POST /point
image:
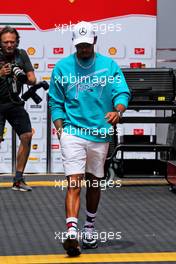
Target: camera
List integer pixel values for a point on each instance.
(18, 73)
(31, 93)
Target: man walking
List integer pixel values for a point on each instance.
(88, 94)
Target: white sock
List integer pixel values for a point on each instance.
(72, 228)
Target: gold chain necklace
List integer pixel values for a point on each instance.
(85, 67)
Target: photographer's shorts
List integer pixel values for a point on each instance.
(80, 155)
(17, 116)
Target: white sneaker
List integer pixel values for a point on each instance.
(88, 238)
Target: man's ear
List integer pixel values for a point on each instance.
(95, 40)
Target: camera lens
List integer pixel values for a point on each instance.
(19, 74)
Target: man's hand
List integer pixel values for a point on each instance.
(31, 78)
(112, 118)
(5, 70)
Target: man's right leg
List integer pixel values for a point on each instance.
(72, 202)
(73, 151)
(72, 205)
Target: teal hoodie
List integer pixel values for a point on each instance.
(82, 97)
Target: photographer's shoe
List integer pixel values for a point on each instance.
(71, 245)
(88, 238)
(21, 186)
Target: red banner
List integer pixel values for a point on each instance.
(47, 14)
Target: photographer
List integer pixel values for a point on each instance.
(15, 70)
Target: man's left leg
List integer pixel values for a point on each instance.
(93, 193)
(22, 157)
(20, 121)
(96, 157)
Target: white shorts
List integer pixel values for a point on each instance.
(80, 155)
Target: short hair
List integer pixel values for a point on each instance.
(11, 30)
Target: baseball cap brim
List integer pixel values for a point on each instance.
(83, 40)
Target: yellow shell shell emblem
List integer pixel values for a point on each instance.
(112, 51)
(31, 51)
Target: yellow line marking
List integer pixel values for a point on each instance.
(32, 183)
(58, 183)
(146, 181)
(91, 258)
(63, 183)
(59, 174)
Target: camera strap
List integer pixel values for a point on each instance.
(14, 98)
(18, 60)
(14, 86)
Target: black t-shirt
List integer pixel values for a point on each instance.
(22, 60)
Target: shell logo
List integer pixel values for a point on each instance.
(34, 146)
(112, 51)
(36, 66)
(31, 51)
